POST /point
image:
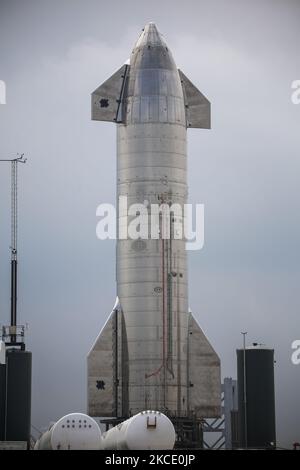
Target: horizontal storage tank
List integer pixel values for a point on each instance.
(75, 431)
(257, 421)
(146, 430)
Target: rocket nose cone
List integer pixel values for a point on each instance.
(150, 36)
(151, 26)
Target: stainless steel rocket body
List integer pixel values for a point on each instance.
(151, 352)
(152, 274)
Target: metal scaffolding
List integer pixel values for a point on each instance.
(220, 433)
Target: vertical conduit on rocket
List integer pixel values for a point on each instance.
(170, 299)
(178, 340)
(162, 366)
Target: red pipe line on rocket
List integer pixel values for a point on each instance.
(163, 310)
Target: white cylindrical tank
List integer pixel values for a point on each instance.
(146, 430)
(75, 431)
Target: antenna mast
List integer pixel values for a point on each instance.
(14, 245)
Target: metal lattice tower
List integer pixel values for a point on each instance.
(222, 431)
(14, 244)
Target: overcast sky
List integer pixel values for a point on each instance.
(246, 171)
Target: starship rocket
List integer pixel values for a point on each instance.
(151, 352)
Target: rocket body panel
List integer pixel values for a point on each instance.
(151, 274)
(107, 98)
(204, 373)
(196, 104)
(107, 368)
